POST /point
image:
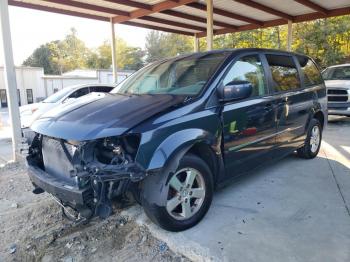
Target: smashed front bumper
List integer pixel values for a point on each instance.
(66, 193)
(76, 178)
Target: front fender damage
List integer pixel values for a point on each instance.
(156, 184)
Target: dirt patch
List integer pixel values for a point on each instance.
(32, 229)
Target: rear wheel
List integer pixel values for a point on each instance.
(190, 192)
(312, 142)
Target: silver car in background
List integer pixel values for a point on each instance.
(337, 80)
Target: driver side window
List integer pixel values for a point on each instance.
(248, 68)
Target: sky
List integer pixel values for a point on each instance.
(31, 28)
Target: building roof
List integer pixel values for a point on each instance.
(188, 17)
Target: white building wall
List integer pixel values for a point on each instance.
(27, 78)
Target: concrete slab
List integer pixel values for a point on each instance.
(4, 117)
(5, 151)
(294, 210)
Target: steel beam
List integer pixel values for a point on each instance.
(209, 25)
(114, 53)
(10, 79)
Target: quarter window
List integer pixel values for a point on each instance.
(311, 74)
(248, 68)
(284, 73)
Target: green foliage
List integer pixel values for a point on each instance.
(161, 45)
(41, 57)
(129, 58)
(326, 40)
(60, 56)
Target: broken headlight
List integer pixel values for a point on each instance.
(117, 150)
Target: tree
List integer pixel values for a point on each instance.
(42, 57)
(129, 58)
(101, 57)
(161, 45)
(70, 53)
(60, 56)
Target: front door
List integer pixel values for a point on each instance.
(249, 125)
(3, 98)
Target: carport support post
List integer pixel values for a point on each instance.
(209, 25)
(114, 52)
(290, 35)
(196, 43)
(10, 78)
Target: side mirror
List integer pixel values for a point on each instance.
(235, 90)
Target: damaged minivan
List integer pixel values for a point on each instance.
(177, 129)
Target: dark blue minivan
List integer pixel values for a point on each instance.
(177, 129)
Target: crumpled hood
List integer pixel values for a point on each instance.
(101, 115)
(337, 83)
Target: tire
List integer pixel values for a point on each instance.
(185, 206)
(309, 151)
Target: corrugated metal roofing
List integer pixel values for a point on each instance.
(188, 16)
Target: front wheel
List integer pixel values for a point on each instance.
(313, 141)
(188, 197)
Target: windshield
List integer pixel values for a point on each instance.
(337, 73)
(184, 76)
(57, 96)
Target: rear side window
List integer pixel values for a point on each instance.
(103, 89)
(80, 92)
(284, 73)
(311, 74)
(248, 68)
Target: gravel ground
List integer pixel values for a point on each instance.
(32, 229)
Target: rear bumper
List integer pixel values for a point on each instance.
(70, 195)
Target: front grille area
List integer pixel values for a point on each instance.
(337, 98)
(56, 161)
(337, 95)
(337, 92)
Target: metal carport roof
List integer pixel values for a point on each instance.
(188, 17)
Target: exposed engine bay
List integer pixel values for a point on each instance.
(90, 173)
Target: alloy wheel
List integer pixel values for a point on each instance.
(315, 139)
(186, 193)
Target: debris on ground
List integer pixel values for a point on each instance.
(43, 235)
(13, 248)
(163, 247)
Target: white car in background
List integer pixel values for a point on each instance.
(29, 113)
(337, 80)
